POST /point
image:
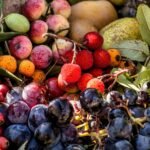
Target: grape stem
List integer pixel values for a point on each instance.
(112, 76)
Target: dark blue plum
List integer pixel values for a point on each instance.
(58, 146)
(18, 112)
(17, 134)
(37, 116)
(47, 134)
(33, 145)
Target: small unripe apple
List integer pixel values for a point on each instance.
(33, 9)
(38, 29)
(61, 7)
(58, 24)
(20, 46)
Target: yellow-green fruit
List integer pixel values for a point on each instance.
(17, 22)
(89, 16)
(118, 2)
(121, 29)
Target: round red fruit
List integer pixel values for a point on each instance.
(71, 73)
(93, 40)
(97, 84)
(101, 58)
(84, 80)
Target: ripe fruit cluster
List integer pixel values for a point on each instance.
(62, 103)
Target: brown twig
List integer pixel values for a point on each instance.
(112, 76)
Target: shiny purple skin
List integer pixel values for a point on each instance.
(32, 94)
(37, 116)
(18, 112)
(47, 134)
(41, 56)
(17, 134)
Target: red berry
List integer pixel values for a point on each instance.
(69, 88)
(101, 58)
(4, 143)
(93, 40)
(96, 72)
(71, 73)
(84, 58)
(97, 84)
(84, 80)
(2, 120)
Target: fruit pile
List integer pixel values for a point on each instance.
(74, 75)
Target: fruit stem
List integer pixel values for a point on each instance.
(138, 121)
(112, 76)
(74, 54)
(64, 38)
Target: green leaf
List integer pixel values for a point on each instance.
(143, 77)
(8, 35)
(122, 80)
(135, 50)
(1, 4)
(6, 73)
(143, 17)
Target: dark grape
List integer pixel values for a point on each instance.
(47, 134)
(142, 142)
(91, 100)
(118, 112)
(69, 134)
(60, 111)
(114, 98)
(130, 96)
(137, 111)
(74, 147)
(147, 114)
(37, 116)
(145, 131)
(119, 128)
